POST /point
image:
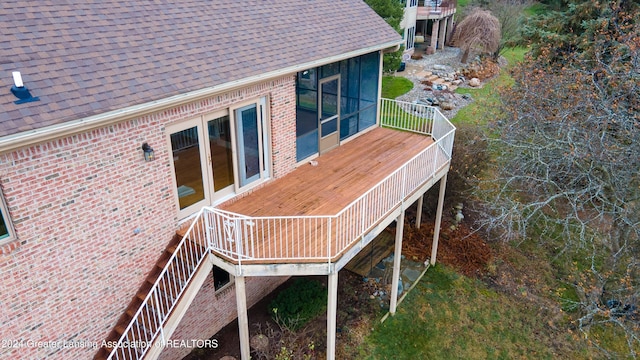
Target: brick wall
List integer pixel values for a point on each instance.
(91, 218)
(209, 310)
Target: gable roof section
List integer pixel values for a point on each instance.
(84, 58)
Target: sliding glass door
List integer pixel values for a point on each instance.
(219, 154)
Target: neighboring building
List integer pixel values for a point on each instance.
(428, 24)
(158, 181)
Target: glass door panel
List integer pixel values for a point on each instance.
(329, 113)
(221, 157)
(249, 144)
(187, 165)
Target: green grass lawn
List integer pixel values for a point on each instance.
(449, 316)
(394, 86)
(462, 4)
(486, 99)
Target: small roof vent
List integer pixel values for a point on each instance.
(20, 91)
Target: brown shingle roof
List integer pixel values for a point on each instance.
(92, 57)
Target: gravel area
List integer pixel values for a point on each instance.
(444, 61)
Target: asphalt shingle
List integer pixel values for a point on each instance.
(82, 58)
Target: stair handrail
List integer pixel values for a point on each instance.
(152, 291)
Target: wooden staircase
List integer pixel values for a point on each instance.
(161, 301)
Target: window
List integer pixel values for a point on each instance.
(6, 231)
(358, 99)
(219, 154)
(221, 278)
(413, 3)
(411, 34)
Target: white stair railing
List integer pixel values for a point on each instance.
(147, 323)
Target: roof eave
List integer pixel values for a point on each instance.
(32, 137)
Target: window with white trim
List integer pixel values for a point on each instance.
(411, 34)
(219, 154)
(6, 230)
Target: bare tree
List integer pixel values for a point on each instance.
(477, 32)
(568, 169)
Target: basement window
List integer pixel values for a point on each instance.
(221, 278)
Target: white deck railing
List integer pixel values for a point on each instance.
(287, 238)
(247, 239)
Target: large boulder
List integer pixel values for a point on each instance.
(446, 105)
(259, 342)
(474, 82)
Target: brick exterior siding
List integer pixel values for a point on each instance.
(91, 218)
(209, 310)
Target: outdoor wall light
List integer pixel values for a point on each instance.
(148, 152)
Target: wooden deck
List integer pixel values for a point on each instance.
(434, 13)
(341, 176)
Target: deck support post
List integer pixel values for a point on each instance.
(332, 311)
(419, 211)
(397, 255)
(436, 230)
(450, 27)
(243, 319)
(434, 34)
(442, 32)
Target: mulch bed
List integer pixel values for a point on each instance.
(460, 248)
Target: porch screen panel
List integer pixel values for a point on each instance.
(306, 114)
(369, 71)
(350, 93)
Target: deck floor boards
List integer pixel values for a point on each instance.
(340, 177)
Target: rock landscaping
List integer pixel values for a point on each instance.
(437, 76)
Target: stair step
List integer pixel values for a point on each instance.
(120, 329)
(147, 322)
(432, 78)
(142, 295)
(438, 81)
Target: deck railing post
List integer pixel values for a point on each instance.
(159, 319)
(207, 229)
(363, 211)
(404, 182)
(329, 241)
(238, 238)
